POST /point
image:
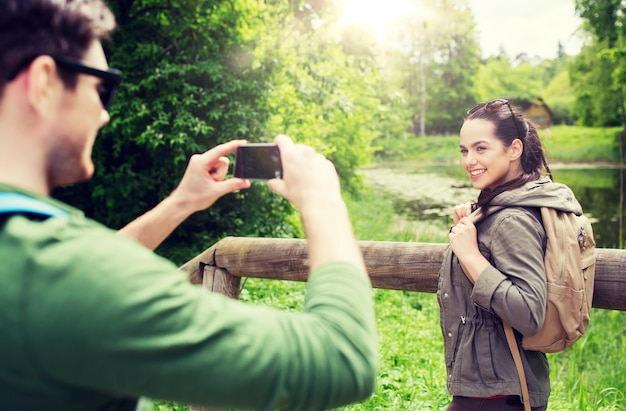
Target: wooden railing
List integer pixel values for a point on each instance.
(391, 265)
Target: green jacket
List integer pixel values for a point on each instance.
(93, 321)
(478, 359)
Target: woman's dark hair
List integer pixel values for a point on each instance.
(510, 124)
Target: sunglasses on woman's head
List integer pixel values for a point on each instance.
(493, 106)
(111, 78)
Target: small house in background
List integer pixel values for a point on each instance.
(537, 111)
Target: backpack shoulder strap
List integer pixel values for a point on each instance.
(14, 203)
(478, 214)
(517, 358)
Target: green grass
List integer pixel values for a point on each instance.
(563, 144)
(590, 376)
(581, 144)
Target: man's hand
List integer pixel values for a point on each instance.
(308, 177)
(204, 180)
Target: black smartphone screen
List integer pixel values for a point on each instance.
(259, 161)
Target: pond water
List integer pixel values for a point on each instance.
(429, 192)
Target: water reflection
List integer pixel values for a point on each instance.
(431, 197)
(598, 191)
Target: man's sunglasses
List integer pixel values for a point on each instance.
(495, 105)
(111, 78)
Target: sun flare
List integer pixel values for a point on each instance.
(375, 15)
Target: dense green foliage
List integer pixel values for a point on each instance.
(431, 64)
(199, 73)
(188, 85)
(599, 72)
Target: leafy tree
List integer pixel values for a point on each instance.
(497, 78)
(526, 80)
(202, 72)
(597, 99)
(600, 70)
(433, 53)
(456, 63)
(560, 95)
(189, 84)
(322, 84)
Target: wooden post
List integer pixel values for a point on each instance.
(610, 281)
(217, 280)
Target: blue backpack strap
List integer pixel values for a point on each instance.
(20, 203)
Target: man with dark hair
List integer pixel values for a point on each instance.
(93, 319)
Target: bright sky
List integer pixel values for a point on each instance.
(534, 27)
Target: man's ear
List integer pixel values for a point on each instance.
(43, 86)
(516, 149)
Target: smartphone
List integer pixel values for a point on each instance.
(258, 161)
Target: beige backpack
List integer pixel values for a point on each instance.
(570, 264)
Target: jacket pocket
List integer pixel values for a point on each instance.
(478, 354)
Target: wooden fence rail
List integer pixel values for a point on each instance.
(391, 265)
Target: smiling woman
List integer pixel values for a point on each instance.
(376, 16)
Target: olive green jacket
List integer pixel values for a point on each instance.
(513, 288)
